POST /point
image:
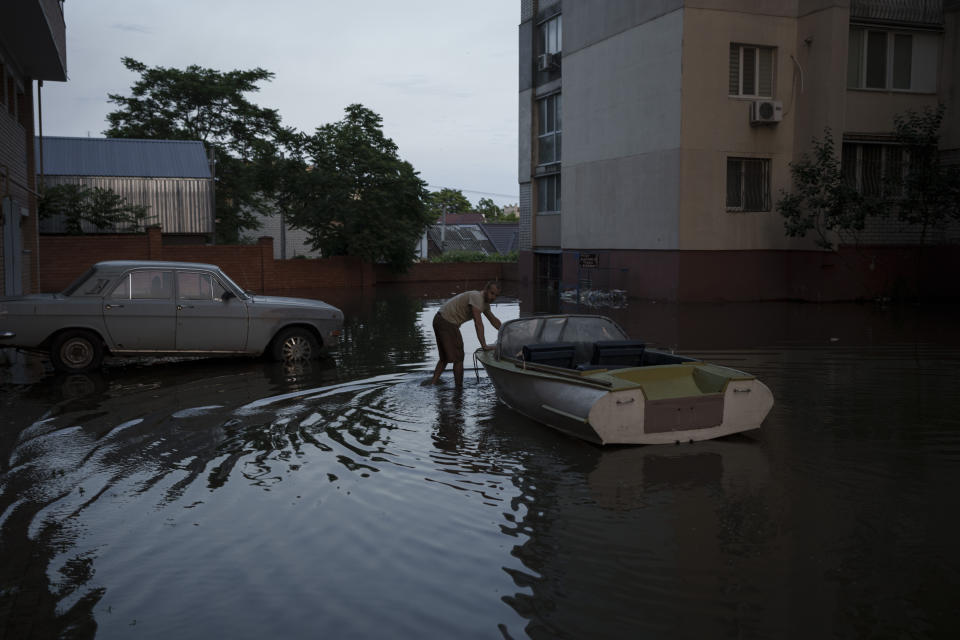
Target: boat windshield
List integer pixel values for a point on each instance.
(583, 331)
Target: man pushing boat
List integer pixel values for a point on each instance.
(446, 325)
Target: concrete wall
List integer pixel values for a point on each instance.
(716, 127)
(949, 72)
(295, 241)
(621, 104)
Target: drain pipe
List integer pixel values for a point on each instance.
(40, 123)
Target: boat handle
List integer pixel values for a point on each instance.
(626, 401)
(741, 390)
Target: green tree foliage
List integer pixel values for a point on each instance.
(209, 105)
(449, 200)
(489, 209)
(929, 194)
(102, 208)
(822, 201)
(474, 256)
(347, 187)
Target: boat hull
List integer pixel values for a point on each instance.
(643, 405)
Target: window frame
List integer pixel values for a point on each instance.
(766, 169)
(555, 135)
(542, 201)
(892, 61)
(212, 282)
(856, 179)
(544, 36)
(166, 282)
(758, 95)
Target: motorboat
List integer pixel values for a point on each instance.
(582, 375)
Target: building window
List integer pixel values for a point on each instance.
(873, 169)
(548, 194)
(748, 184)
(892, 60)
(548, 129)
(550, 36)
(751, 71)
(548, 272)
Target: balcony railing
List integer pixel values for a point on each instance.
(919, 12)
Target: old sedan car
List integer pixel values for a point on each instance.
(136, 307)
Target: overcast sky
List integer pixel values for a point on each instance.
(441, 73)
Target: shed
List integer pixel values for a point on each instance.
(171, 177)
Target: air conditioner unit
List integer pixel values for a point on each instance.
(545, 61)
(766, 111)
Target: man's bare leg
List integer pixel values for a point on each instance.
(458, 373)
(436, 372)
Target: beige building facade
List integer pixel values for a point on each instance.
(656, 137)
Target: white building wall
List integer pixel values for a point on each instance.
(296, 239)
(622, 136)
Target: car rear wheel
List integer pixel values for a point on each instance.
(76, 351)
(295, 344)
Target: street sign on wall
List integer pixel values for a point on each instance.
(589, 261)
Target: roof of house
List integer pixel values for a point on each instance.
(461, 237)
(504, 236)
(125, 157)
(471, 217)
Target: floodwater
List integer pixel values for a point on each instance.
(248, 499)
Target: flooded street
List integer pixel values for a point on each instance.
(242, 498)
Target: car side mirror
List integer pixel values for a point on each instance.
(227, 295)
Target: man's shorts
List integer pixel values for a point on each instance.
(449, 340)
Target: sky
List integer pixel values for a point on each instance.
(441, 73)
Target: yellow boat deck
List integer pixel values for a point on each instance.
(673, 380)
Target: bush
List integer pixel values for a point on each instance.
(474, 256)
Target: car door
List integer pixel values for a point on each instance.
(207, 320)
(139, 312)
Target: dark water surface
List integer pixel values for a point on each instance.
(246, 499)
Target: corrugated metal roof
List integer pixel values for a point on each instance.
(122, 157)
(504, 236)
(462, 237)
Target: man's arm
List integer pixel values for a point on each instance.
(494, 320)
(478, 323)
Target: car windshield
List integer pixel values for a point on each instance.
(91, 283)
(583, 331)
(233, 285)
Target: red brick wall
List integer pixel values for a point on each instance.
(63, 258)
(251, 266)
(864, 273)
(445, 272)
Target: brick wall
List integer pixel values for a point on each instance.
(443, 272)
(251, 266)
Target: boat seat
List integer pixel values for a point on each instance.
(555, 354)
(616, 354)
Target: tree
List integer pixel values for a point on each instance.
(822, 201)
(489, 209)
(929, 194)
(447, 200)
(103, 208)
(209, 105)
(347, 187)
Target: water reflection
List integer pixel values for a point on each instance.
(247, 498)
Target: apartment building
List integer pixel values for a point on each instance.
(656, 137)
(32, 48)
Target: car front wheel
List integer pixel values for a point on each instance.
(295, 344)
(76, 351)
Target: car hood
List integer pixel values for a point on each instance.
(319, 305)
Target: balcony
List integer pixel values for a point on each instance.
(927, 13)
(34, 34)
